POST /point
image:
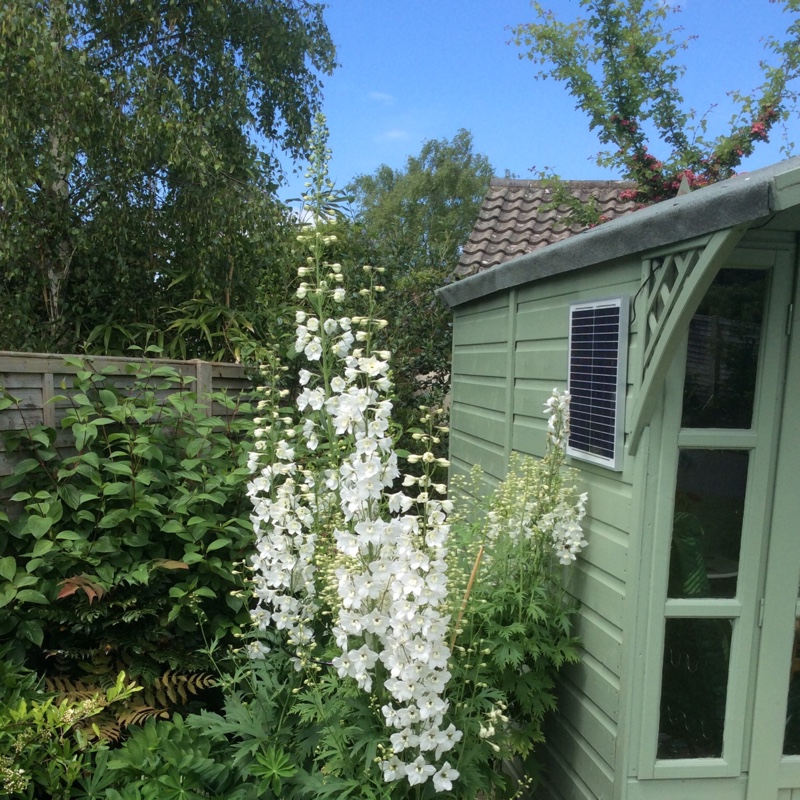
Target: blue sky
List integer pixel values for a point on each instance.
(413, 70)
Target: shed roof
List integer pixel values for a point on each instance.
(742, 200)
(512, 220)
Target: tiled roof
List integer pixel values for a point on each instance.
(512, 222)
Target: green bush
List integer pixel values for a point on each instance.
(120, 551)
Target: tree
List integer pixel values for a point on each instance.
(132, 183)
(414, 223)
(619, 63)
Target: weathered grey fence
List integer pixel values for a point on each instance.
(35, 379)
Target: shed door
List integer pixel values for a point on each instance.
(726, 563)
(775, 749)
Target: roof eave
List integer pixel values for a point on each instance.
(740, 200)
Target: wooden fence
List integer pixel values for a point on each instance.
(35, 379)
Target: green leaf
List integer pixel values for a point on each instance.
(38, 526)
(113, 518)
(108, 398)
(42, 547)
(194, 447)
(32, 631)
(70, 495)
(70, 536)
(7, 594)
(218, 544)
(81, 431)
(118, 468)
(8, 568)
(25, 466)
(31, 596)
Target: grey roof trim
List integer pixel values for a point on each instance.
(742, 199)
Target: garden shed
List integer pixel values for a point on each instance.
(676, 330)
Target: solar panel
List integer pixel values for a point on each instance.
(597, 358)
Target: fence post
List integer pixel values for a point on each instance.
(203, 384)
(48, 406)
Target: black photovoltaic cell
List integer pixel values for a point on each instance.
(593, 375)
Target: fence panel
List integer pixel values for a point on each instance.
(35, 379)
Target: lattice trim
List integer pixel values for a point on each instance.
(668, 274)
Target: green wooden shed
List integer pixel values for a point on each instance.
(677, 330)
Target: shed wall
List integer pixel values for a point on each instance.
(510, 350)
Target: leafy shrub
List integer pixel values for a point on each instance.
(119, 546)
(48, 748)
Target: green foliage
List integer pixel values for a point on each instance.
(414, 222)
(48, 747)
(421, 216)
(131, 182)
(619, 63)
(118, 551)
(164, 760)
(513, 628)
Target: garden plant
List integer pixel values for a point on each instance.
(420, 654)
(403, 636)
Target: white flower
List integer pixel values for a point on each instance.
(313, 350)
(443, 779)
(447, 740)
(418, 771)
(405, 738)
(393, 769)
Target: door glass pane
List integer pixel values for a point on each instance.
(722, 358)
(707, 525)
(694, 687)
(791, 740)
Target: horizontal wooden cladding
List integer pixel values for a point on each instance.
(619, 277)
(50, 362)
(600, 638)
(545, 360)
(468, 450)
(584, 715)
(488, 327)
(537, 323)
(593, 679)
(581, 766)
(609, 498)
(482, 392)
(487, 360)
(598, 590)
(528, 436)
(607, 548)
(560, 781)
(482, 423)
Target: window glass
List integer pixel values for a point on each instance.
(722, 358)
(791, 738)
(694, 688)
(707, 524)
